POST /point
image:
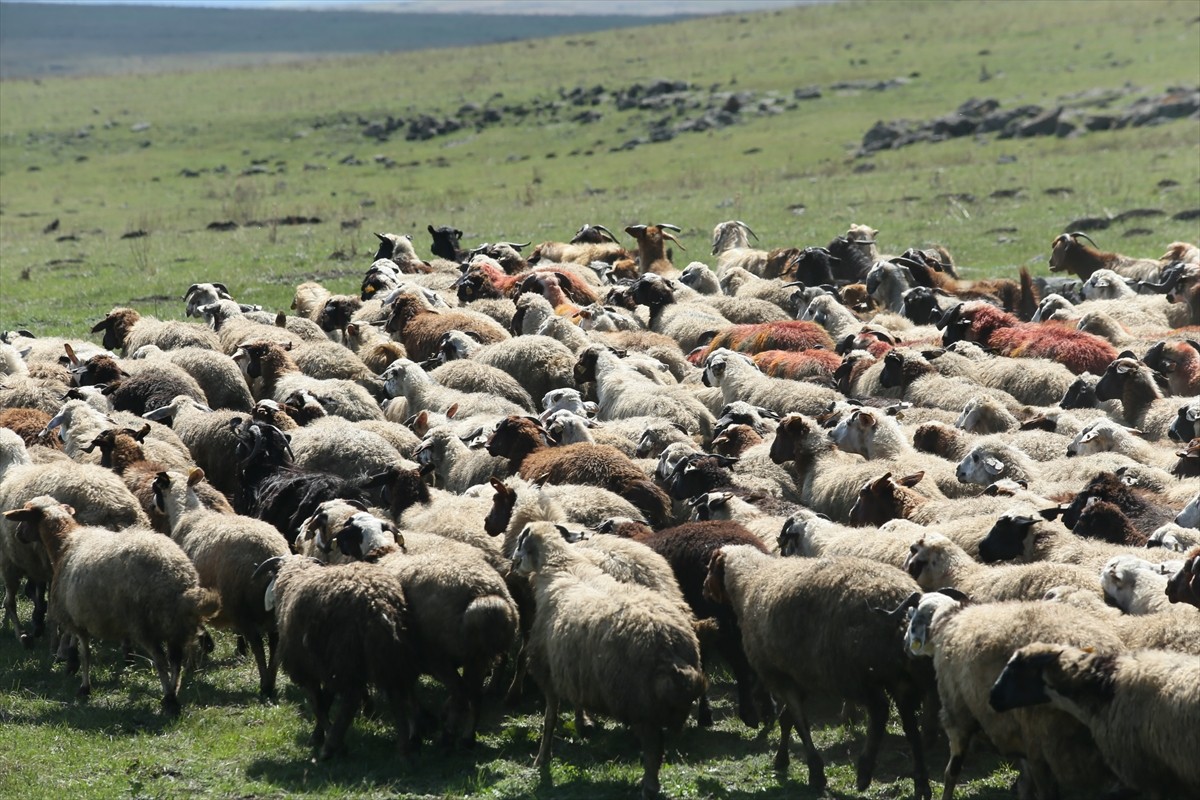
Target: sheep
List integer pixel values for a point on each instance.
(29, 424)
(1145, 508)
(420, 328)
(727, 505)
(477, 378)
(79, 424)
(1004, 333)
(348, 449)
(461, 615)
(201, 294)
(987, 463)
(1026, 539)
(699, 278)
(741, 284)
(1106, 436)
(209, 436)
(535, 315)
(1142, 402)
(934, 561)
(521, 441)
(1131, 308)
(1135, 585)
(121, 451)
(1174, 537)
(342, 628)
(226, 550)
(788, 607)
(969, 645)
(516, 503)
(149, 387)
(807, 534)
(1187, 422)
(623, 393)
(540, 364)
(918, 381)
(1179, 362)
(1136, 707)
(874, 435)
(405, 378)
(135, 586)
(1105, 521)
(102, 500)
(750, 339)
(739, 379)
(645, 672)
(126, 330)
(281, 376)
(456, 466)
(217, 375)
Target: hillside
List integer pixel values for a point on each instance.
(527, 140)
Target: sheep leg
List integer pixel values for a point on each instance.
(743, 675)
(169, 703)
(704, 717)
(266, 671)
(85, 658)
(782, 755)
(513, 695)
(10, 612)
(877, 716)
(39, 608)
(816, 767)
(474, 675)
(958, 751)
(319, 700)
(584, 727)
(652, 758)
(400, 701)
(335, 741)
(543, 756)
(906, 706)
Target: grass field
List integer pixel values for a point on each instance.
(272, 141)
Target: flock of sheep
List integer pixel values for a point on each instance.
(841, 474)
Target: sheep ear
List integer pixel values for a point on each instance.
(195, 476)
(1087, 437)
(955, 594)
(1135, 432)
(451, 411)
(1049, 514)
(22, 514)
(911, 480)
(1023, 522)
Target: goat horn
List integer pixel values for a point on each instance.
(667, 235)
(515, 245)
(1085, 236)
(668, 226)
(605, 230)
(268, 564)
(747, 227)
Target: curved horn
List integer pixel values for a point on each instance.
(381, 237)
(951, 316)
(1085, 236)
(274, 562)
(898, 612)
(606, 231)
(748, 230)
(669, 227)
(667, 235)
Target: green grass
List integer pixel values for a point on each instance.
(500, 184)
(228, 744)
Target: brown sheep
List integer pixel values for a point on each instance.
(421, 328)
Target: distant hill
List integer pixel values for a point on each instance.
(39, 39)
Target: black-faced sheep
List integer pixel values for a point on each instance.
(342, 629)
(1141, 708)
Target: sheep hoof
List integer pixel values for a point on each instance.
(651, 789)
(816, 774)
(170, 706)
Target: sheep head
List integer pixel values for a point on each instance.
(29, 518)
(116, 327)
(884, 498)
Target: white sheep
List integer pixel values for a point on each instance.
(739, 379)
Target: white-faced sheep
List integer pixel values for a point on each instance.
(790, 607)
(623, 392)
(1137, 586)
(277, 376)
(1139, 707)
(645, 671)
(1106, 436)
(989, 462)
(456, 466)
(935, 561)
(969, 645)
(134, 586)
(226, 548)
(102, 500)
(405, 378)
(1036, 381)
(740, 379)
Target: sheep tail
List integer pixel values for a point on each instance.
(207, 602)
(490, 623)
(1028, 299)
(650, 500)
